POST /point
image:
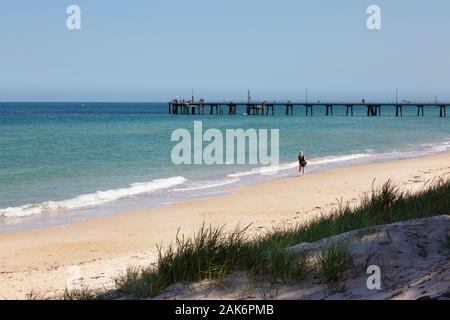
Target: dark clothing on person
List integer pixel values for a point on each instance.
(302, 161)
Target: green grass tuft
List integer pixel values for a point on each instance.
(333, 261)
(209, 255)
(83, 293)
(283, 265)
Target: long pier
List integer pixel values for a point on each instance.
(266, 107)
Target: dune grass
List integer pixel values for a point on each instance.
(210, 254)
(81, 294)
(213, 252)
(332, 261)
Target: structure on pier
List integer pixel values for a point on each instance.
(263, 107)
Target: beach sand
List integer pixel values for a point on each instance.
(102, 248)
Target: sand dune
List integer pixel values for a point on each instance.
(413, 260)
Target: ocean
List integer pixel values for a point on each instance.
(66, 162)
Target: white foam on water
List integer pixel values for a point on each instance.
(292, 165)
(206, 184)
(322, 162)
(92, 199)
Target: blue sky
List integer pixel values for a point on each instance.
(140, 50)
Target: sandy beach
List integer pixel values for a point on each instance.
(102, 248)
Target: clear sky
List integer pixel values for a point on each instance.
(141, 50)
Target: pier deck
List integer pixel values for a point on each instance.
(267, 107)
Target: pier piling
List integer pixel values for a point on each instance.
(420, 110)
(289, 109)
(349, 109)
(373, 110)
(442, 111)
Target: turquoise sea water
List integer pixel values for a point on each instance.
(62, 162)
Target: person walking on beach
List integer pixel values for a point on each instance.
(302, 163)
